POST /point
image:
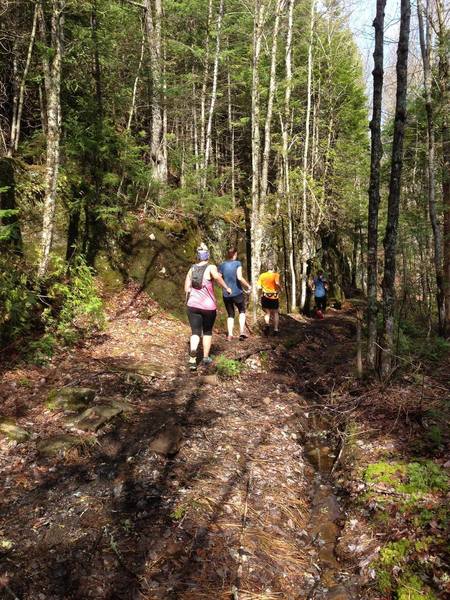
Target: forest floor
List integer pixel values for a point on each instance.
(278, 476)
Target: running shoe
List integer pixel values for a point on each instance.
(243, 337)
(229, 338)
(207, 360)
(192, 363)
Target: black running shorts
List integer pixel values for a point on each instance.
(201, 321)
(270, 303)
(234, 301)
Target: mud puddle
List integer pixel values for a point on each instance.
(321, 445)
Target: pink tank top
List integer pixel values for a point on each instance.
(203, 298)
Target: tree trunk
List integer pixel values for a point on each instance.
(390, 239)
(232, 151)
(425, 47)
(52, 77)
(136, 82)
(304, 217)
(269, 113)
(256, 216)
(208, 134)
(18, 105)
(153, 18)
(443, 73)
(285, 155)
(374, 187)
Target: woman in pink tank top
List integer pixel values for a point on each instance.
(201, 304)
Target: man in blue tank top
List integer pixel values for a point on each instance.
(231, 271)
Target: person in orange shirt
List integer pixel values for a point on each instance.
(269, 285)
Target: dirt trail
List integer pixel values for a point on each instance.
(201, 487)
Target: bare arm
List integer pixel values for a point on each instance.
(188, 282)
(218, 278)
(242, 279)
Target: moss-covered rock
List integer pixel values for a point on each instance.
(72, 399)
(12, 431)
(95, 417)
(57, 443)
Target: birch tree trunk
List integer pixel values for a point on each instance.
(256, 224)
(374, 186)
(425, 48)
(205, 85)
(390, 239)
(52, 77)
(19, 98)
(136, 82)
(304, 215)
(153, 18)
(208, 134)
(285, 155)
(269, 113)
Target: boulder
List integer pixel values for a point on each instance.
(12, 431)
(57, 443)
(97, 416)
(72, 399)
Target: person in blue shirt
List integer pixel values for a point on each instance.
(320, 291)
(231, 271)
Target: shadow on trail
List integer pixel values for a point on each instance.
(105, 524)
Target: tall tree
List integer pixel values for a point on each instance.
(153, 14)
(304, 212)
(257, 209)
(390, 239)
(426, 47)
(374, 185)
(51, 62)
(444, 89)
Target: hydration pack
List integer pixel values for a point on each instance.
(197, 273)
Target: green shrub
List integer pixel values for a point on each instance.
(74, 305)
(228, 367)
(41, 350)
(18, 301)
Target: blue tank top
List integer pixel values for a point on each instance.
(228, 270)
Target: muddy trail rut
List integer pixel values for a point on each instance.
(135, 479)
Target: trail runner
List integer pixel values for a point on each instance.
(231, 271)
(269, 284)
(201, 304)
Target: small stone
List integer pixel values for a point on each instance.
(167, 442)
(267, 400)
(210, 379)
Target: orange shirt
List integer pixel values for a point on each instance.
(268, 283)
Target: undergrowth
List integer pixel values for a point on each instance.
(228, 367)
(63, 308)
(408, 500)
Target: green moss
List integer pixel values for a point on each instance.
(384, 472)
(415, 478)
(394, 553)
(411, 587)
